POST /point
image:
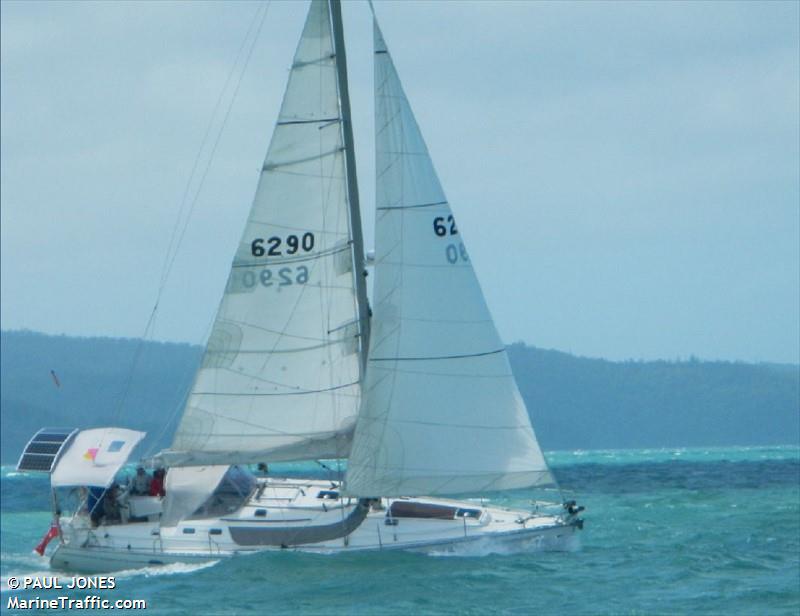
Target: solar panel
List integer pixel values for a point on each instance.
(42, 451)
(45, 448)
(50, 436)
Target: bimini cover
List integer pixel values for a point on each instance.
(94, 457)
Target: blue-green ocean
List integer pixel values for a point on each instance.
(686, 531)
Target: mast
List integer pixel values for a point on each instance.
(352, 182)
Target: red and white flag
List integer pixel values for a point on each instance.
(51, 534)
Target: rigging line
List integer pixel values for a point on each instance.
(469, 377)
(180, 388)
(468, 355)
(453, 266)
(218, 139)
(203, 143)
(299, 258)
(317, 62)
(169, 261)
(303, 228)
(167, 424)
(269, 431)
(301, 174)
(211, 157)
(386, 124)
(254, 377)
(282, 393)
(247, 375)
(314, 347)
(410, 207)
(441, 424)
(317, 121)
(268, 330)
(299, 161)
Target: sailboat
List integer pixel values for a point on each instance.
(415, 391)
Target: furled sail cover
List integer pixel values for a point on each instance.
(280, 375)
(441, 412)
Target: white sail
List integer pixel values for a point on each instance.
(280, 376)
(441, 413)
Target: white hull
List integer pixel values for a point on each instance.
(480, 530)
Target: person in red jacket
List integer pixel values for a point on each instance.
(157, 483)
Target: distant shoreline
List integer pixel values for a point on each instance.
(576, 403)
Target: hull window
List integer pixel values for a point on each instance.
(410, 509)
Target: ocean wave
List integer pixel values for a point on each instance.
(36, 572)
(666, 454)
(170, 569)
(486, 546)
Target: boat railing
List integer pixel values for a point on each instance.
(158, 543)
(91, 539)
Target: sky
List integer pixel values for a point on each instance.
(626, 175)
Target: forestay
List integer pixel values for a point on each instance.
(280, 375)
(441, 413)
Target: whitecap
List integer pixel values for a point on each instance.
(170, 569)
(500, 546)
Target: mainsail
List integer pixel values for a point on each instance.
(280, 378)
(441, 412)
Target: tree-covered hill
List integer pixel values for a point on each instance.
(575, 402)
(96, 385)
(583, 403)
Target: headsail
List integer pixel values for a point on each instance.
(280, 377)
(441, 413)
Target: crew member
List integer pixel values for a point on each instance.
(141, 482)
(157, 484)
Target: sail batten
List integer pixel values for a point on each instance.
(312, 121)
(292, 279)
(283, 393)
(410, 207)
(441, 412)
(290, 163)
(442, 357)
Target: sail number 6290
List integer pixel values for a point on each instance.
(273, 249)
